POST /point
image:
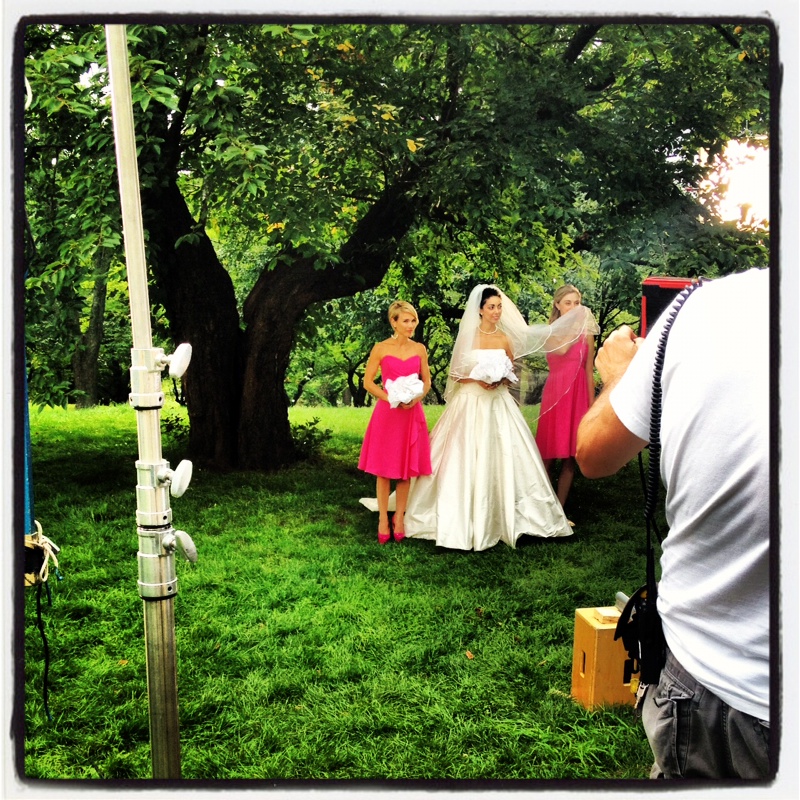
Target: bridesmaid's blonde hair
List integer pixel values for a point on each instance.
(399, 307)
(559, 295)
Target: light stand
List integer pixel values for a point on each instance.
(158, 541)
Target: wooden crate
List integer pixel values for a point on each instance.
(597, 660)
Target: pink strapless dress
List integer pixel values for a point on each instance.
(396, 442)
(565, 400)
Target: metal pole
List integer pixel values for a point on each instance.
(157, 582)
(127, 166)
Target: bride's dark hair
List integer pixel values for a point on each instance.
(489, 291)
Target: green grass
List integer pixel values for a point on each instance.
(306, 650)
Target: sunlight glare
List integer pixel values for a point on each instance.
(738, 188)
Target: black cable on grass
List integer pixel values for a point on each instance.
(45, 646)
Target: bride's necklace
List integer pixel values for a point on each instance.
(488, 333)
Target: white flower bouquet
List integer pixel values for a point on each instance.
(404, 389)
(491, 369)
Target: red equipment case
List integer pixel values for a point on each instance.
(657, 294)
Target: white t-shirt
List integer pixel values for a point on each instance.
(714, 588)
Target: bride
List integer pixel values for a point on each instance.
(488, 483)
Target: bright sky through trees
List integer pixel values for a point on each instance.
(738, 189)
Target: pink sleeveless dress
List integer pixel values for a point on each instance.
(396, 441)
(565, 400)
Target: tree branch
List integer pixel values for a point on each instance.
(362, 263)
(580, 40)
(453, 74)
(728, 37)
(732, 41)
(175, 127)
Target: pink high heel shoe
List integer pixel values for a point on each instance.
(383, 538)
(398, 535)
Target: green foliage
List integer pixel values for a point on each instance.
(72, 210)
(332, 346)
(175, 428)
(305, 650)
(309, 438)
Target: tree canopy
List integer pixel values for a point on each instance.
(284, 167)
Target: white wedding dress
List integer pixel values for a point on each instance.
(488, 483)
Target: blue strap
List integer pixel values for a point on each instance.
(29, 517)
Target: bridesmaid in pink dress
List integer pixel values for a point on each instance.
(568, 393)
(396, 445)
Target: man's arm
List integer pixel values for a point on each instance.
(605, 445)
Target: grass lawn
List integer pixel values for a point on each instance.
(306, 650)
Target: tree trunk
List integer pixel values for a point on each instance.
(300, 388)
(84, 359)
(356, 388)
(356, 392)
(199, 299)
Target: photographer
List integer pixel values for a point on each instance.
(708, 717)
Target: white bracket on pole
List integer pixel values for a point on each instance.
(179, 361)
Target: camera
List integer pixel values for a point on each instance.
(639, 627)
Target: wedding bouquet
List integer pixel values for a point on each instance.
(491, 369)
(404, 389)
